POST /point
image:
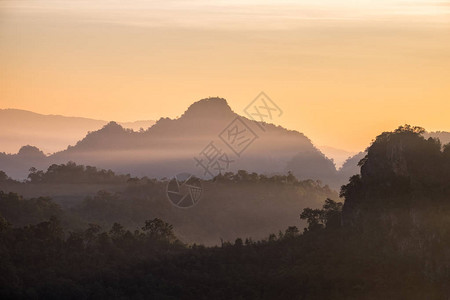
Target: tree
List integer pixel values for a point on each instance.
(291, 232)
(117, 230)
(314, 218)
(157, 229)
(409, 128)
(91, 233)
(329, 216)
(3, 176)
(290, 177)
(332, 211)
(242, 175)
(35, 175)
(50, 230)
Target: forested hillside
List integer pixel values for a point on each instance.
(389, 240)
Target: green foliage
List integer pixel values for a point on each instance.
(327, 217)
(21, 212)
(73, 173)
(314, 217)
(410, 129)
(159, 230)
(291, 232)
(38, 261)
(332, 212)
(243, 176)
(48, 261)
(227, 208)
(4, 178)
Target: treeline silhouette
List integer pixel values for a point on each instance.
(233, 204)
(73, 173)
(16, 210)
(4, 178)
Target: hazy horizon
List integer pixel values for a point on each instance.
(53, 142)
(323, 62)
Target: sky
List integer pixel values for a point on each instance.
(341, 71)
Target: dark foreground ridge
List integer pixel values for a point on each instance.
(390, 241)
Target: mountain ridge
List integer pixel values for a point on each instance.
(171, 146)
(51, 133)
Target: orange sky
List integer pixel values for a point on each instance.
(342, 71)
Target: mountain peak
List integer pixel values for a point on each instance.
(112, 127)
(211, 107)
(30, 151)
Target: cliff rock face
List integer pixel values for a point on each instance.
(400, 170)
(402, 198)
(350, 166)
(389, 161)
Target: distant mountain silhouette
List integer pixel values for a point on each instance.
(18, 164)
(50, 133)
(339, 156)
(169, 147)
(350, 167)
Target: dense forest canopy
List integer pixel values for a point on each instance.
(73, 173)
(232, 204)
